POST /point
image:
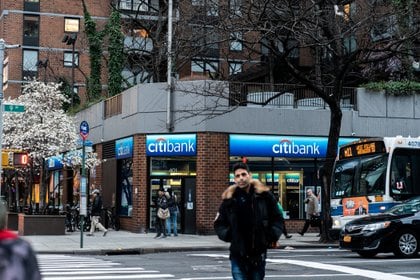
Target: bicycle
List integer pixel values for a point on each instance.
(112, 218)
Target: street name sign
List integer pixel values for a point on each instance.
(16, 108)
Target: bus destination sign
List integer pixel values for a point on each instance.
(360, 149)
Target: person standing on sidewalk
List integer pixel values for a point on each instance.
(173, 209)
(311, 211)
(95, 214)
(161, 202)
(17, 258)
(250, 220)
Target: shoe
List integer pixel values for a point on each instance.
(319, 235)
(175, 234)
(288, 236)
(164, 236)
(105, 232)
(157, 235)
(301, 233)
(89, 234)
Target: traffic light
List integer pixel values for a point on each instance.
(20, 159)
(4, 159)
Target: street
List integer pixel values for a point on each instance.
(206, 265)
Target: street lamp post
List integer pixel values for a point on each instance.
(3, 46)
(71, 40)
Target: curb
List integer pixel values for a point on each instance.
(143, 251)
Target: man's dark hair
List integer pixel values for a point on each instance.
(240, 165)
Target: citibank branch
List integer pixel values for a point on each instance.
(287, 164)
(172, 161)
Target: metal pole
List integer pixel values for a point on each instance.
(2, 47)
(72, 73)
(87, 195)
(169, 70)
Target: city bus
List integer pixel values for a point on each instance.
(372, 175)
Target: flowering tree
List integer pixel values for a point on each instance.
(43, 130)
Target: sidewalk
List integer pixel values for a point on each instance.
(124, 242)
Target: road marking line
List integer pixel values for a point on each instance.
(345, 269)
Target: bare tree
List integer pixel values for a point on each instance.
(317, 44)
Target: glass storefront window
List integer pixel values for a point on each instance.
(291, 178)
(124, 190)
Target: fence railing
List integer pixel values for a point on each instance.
(263, 95)
(113, 106)
(285, 96)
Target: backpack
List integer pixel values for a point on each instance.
(17, 261)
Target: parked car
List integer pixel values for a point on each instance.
(396, 230)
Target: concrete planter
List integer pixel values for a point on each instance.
(12, 221)
(41, 224)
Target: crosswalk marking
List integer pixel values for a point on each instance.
(324, 266)
(67, 267)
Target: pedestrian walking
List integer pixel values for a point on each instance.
(161, 203)
(172, 221)
(312, 212)
(17, 258)
(95, 214)
(282, 214)
(250, 220)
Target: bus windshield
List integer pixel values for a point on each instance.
(360, 176)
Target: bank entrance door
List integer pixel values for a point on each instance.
(184, 189)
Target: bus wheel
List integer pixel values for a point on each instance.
(367, 254)
(406, 244)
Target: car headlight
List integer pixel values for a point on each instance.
(376, 226)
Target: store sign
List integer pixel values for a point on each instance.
(54, 162)
(124, 148)
(171, 145)
(292, 179)
(280, 146)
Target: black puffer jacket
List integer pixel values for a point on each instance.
(249, 221)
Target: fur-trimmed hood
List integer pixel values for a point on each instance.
(258, 187)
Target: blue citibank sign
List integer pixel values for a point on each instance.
(280, 146)
(171, 145)
(124, 148)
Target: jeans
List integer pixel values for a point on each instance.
(248, 270)
(172, 220)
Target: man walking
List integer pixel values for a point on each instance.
(250, 220)
(311, 211)
(95, 214)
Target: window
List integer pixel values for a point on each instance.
(68, 56)
(29, 65)
(236, 41)
(385, 28)
(405, 172)
(349, 11)
(350, 44)
(201, 67)
(31, 5)
(140, 5)
(197, 2)
(235, 68)
(235, 7)
(71, 25)
(213, 8)
(31, 30)
(135, 5)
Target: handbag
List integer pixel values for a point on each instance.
(163, 213)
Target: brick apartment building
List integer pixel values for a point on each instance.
(39, 28)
